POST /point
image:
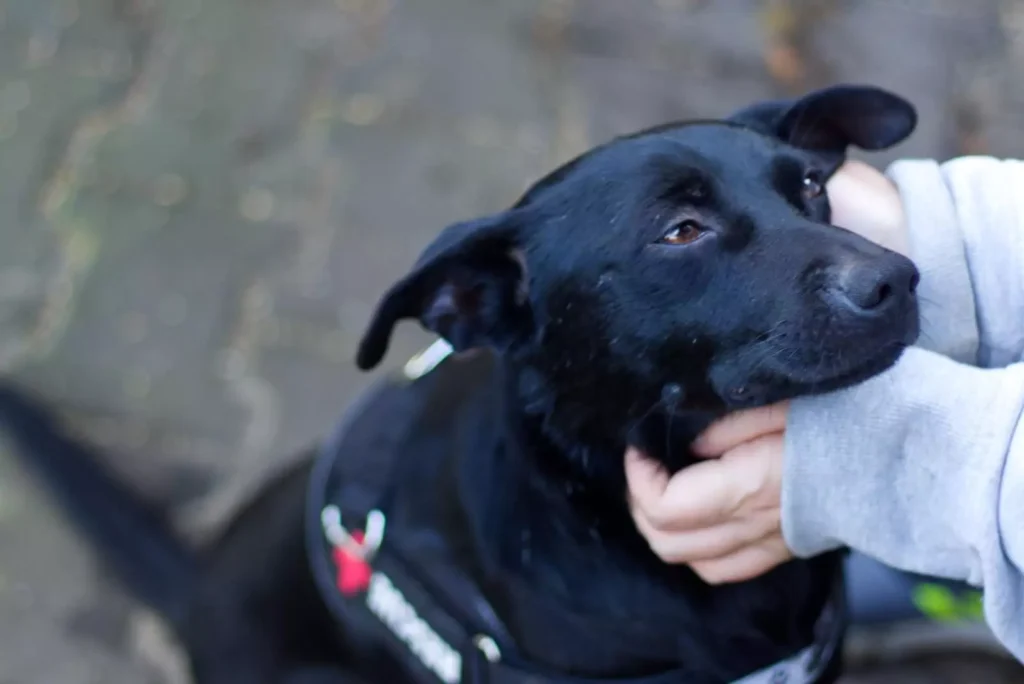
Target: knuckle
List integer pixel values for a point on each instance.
(664, 552)
(664, 549)
(712, 573)
(647, 511)
(661, 516)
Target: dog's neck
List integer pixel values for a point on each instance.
(548, 513)
(582, 434)
(569, 462)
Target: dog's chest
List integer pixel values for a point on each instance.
(380, 535)
(395, 560)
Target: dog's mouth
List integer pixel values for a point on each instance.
(837, 377)
(770, 377)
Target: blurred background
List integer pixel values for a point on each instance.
(201, 200)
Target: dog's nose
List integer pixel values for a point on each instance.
(872, 284)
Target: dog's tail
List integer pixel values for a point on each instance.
(131, 537)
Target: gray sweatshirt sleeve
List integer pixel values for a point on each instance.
(922, 467)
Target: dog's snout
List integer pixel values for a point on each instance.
(873, 284)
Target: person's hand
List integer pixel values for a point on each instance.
(722, 515)
(864, 201)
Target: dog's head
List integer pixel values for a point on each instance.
(693, 261)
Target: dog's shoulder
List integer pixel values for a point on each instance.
(402, 425)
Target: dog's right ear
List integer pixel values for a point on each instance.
(469, 287)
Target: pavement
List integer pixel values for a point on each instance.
(201, 200)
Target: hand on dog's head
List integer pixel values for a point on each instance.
(689, 267)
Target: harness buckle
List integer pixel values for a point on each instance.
(339, 537)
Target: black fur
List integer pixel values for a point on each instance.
(605, 333)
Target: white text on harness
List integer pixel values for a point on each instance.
(391, 607)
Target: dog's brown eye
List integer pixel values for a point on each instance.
(682, 233)
(813, 185)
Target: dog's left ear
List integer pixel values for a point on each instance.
(830, 120)
(468, 286)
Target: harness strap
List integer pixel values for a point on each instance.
(450, 633)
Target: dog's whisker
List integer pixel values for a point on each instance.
(668, 435)
(647, 414)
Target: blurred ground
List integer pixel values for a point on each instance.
(201, 200)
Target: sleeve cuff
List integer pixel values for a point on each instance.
(905, 467)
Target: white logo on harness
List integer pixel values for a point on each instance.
(390, 606)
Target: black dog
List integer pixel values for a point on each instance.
(633, 295)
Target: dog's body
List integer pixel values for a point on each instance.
(632, 296)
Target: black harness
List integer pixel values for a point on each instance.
(385, 585)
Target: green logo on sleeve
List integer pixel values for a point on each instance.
(942, 604)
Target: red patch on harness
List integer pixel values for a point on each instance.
(354, 572)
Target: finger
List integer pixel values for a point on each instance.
(746, 564)
(736, 428)
(710, 543)
(695, 497)
(645, 477)
(702, 495)
(760, 460)
(713, 492)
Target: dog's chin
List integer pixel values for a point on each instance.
(789, 383)
(856, 374)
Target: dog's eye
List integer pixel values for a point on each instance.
(682, 233)
(813, 185)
